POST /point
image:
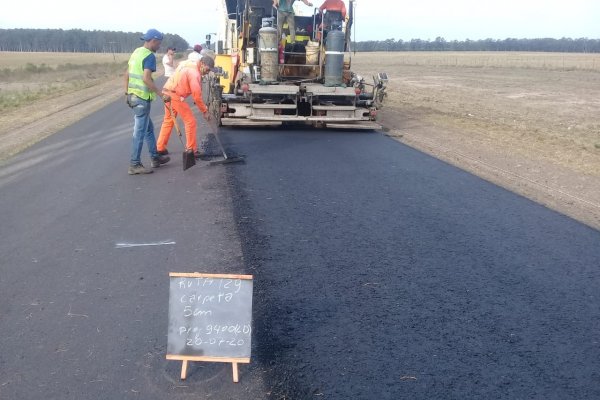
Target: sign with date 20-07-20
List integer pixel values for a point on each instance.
(210, 319)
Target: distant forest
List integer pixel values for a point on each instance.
(564, 45)
(80, 41)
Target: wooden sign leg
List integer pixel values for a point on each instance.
(184, 367)
(236, 377)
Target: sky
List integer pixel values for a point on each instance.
(374, 19)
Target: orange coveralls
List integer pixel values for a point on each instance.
(184, 82)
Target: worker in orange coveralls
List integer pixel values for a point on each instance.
(184, 82)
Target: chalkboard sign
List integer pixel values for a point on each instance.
(210, 318)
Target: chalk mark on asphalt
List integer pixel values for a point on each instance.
(127, 245)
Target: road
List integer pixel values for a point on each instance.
(379, 272)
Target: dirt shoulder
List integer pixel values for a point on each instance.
(27, 125)
(533, 132)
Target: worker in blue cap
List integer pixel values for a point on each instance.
(140, 90)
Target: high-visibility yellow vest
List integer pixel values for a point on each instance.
(136, 83)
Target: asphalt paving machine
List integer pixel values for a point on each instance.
(266, 79)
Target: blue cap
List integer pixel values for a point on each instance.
(152, 34)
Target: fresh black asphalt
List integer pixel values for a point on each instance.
(379, 272)
(386, 274)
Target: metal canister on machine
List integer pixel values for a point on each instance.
(267, 45)
(334, 58)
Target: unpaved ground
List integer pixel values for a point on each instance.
(534, 131)
(27, 125)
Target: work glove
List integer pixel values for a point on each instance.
(166, 98)
(127, 100)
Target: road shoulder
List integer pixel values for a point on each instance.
(563, 189)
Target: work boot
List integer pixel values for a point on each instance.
(158, 161)
(138, 169)
(163, 152)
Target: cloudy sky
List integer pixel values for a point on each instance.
(375, 19)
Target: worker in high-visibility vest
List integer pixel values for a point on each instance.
(186, 81)
(140, 90)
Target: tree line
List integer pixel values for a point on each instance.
(78, 41)
(564, 45)
(81, 41)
